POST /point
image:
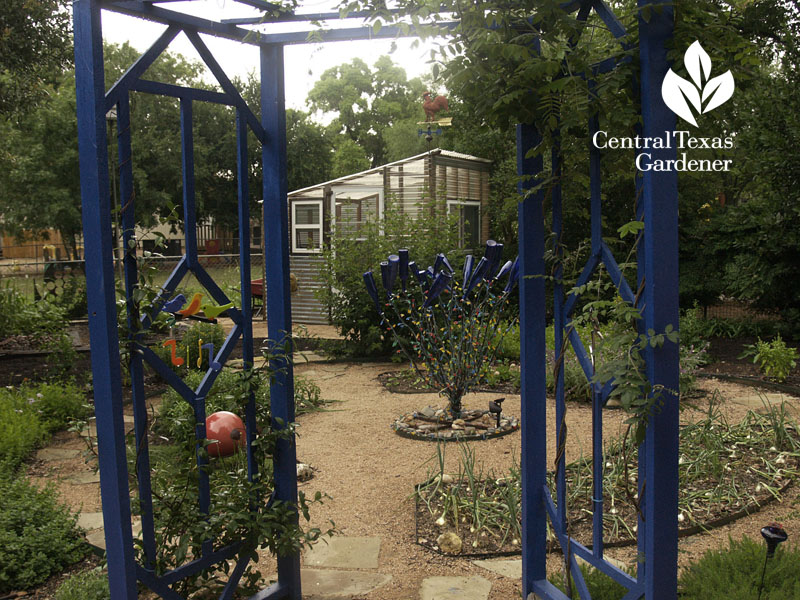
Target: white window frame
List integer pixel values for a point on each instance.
(461, 236)
(349, 191)
(296, 227)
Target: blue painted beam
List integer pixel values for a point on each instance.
(167, 374)
(177, 91)
(305, 17)
(560, 343)
(200, 564)
(274, 592)
(565, 543)
(147, 11)
(345, 34)
(136, 368)
(101, 294)
(225, 83)
(609, 18)
(660, 198)
(187, 170)
(135, 71)
(222, 356)
(278, 302)
(583, 279)
(532, 360)
(616, 274)
(243, 194)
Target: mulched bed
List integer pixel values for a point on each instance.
(404, 382)
(725, 359)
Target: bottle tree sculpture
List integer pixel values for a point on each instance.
(448, 327)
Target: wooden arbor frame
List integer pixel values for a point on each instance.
(656, 577)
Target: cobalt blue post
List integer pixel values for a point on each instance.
(242, 174)
(532, 362)
(660, 197)
(128, 218)
(99, 253)
(279, 315)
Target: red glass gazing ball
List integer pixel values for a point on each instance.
(225, 431)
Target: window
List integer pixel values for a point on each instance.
(353, 213)
(469, 222)
(256, 236)
(307, 226)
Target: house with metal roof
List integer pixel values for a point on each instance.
(456, 181)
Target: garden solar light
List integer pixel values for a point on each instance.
(495, 407)
(774, 534)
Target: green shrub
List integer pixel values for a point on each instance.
(734, 573)
(346, 260)
(601, 586)
(31, 412)
(21, 316)
(774, 358)
(21, 430)
(89, 585)
(175, 419)
(38, 536)
(210, 333)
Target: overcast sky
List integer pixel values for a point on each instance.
(304, 63)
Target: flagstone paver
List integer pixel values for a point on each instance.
(511, 568)
(85, 478)
(329, 584)
(455, 588)
(57, 454)
(345, 553)
(90, 520)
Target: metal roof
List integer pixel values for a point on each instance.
(373, 170)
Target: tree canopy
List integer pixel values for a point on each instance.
(367, 103)
(35, 45)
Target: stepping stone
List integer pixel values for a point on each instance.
(55, 454)
(324, 584)
(758, 401)
(98, 536)
(612, 561)
(90, 521)
(85, 478)
(309, 357)
(511, 568)
(128, 419)
(455, 588)
(345, 553)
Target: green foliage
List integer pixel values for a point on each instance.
(209, 333)
(368, 103)
(346, 260)
(30, 413)
(21, 316)
(774, 358)
(38, 536)
(175, 419)
(181, 528)
(449, 335)
(89, 585)
(35, 45)
(21, 430)
(601, 586)
(734, 573)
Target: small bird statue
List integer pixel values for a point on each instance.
(175, 304)
(193, 307)
(212, 311)
(431, 105)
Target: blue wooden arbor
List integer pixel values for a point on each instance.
(657, 283)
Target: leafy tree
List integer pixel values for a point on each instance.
(40, 176)
(35, 45)
(309, 151)
(368, 102)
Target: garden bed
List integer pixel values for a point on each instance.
(727, 471)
